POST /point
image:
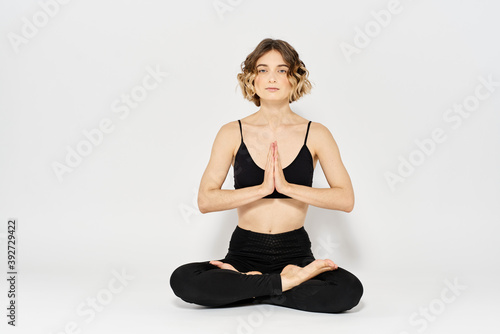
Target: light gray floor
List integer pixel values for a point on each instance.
(392, 303)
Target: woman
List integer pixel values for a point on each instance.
(269, 258)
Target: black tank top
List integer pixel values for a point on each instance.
(247, 173)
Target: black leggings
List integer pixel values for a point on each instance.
(205, 284)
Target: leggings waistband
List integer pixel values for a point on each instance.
(269, 248)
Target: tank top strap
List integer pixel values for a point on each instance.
(308, 124)
(241, 132)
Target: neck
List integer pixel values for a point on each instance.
(275, 113)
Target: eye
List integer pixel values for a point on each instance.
(282, 71)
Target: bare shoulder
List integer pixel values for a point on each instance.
(320, 138)
(230, 132)
(228, 137)
(227, 131)
(228, 127)
(328, 153)
(318, 129)
(221, 157)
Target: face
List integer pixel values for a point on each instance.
(271, 82)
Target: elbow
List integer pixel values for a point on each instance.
(349, 208)
(202, 204)
(349, 204)
(202, 210)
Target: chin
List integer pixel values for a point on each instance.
(274, 98)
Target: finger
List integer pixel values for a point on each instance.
(254, 273)
(227, 266)
(272, 159)
(270, 155)
(277, 163)
(222, 265)
(216, 263)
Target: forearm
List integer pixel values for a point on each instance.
(226, 199)
(327, 198)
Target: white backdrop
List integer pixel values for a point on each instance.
(108, 112)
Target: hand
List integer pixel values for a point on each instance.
(280, 182)
(268, 183)
(223, 265)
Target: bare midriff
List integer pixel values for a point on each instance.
(272, 215)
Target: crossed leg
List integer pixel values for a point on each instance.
(205, 284)
(320, 286)
(332, 291)
(291, 275)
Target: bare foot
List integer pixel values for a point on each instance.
(293, 275)
(223, 265)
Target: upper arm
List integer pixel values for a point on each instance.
(329, 157)
(220, 159)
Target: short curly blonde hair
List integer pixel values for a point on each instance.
(297, 75)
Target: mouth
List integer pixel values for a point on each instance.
(272, 89)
